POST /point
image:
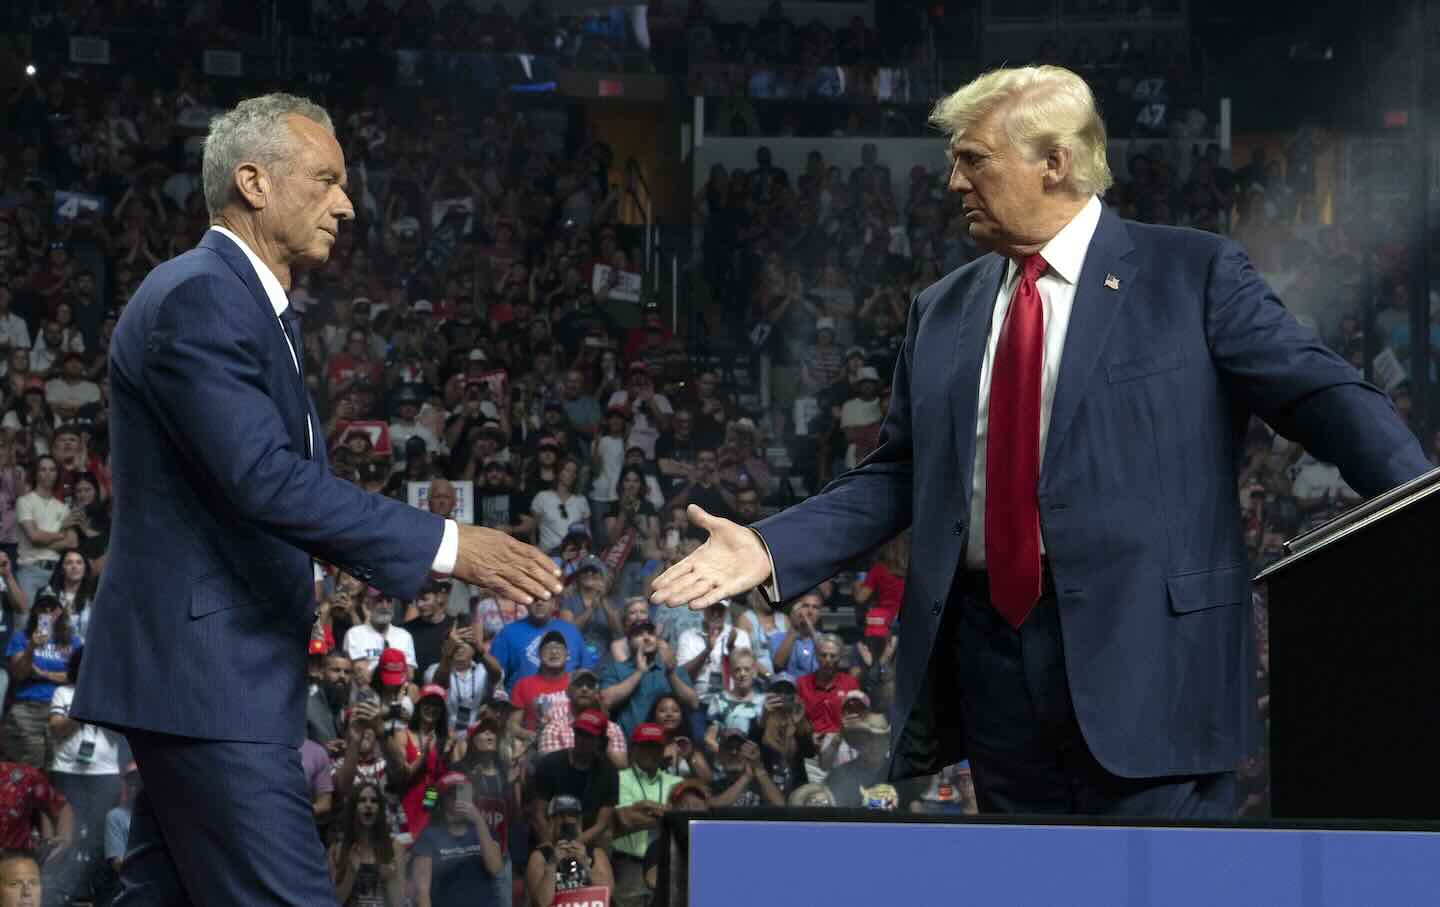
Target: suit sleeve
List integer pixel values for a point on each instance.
(1300, 387)
(204, 376)
(860, 510)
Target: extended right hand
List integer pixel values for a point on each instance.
(731, 562)
(493, 560)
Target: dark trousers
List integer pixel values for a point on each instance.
(1027, 753)
(222, 824)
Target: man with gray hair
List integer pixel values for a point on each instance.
(222, 499)
(1065, 422)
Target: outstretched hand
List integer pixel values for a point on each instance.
(731, 562)
(494, 560)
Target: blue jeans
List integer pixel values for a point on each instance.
(32, 579)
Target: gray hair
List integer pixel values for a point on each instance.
(831, 639)
(255, 130)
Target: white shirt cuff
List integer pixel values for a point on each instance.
(444, 563)
(772, 586)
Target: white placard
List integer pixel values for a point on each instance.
(417, 494)
(626, 284)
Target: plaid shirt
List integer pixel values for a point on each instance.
(559, 735)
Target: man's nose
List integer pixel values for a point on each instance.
(345, 210)
(958, 182)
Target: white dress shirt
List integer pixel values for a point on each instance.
(444, 562)
(1065, 256)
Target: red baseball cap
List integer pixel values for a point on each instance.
(393, 670)
(592, 722)
(649, 732)
(433, 689)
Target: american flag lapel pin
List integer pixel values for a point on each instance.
(1112, 282)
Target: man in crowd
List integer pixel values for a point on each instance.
(628, 689)
(582, 409)
(793, 654)
(705, 653)
(71, 390)
(861, 782)
(364, 642)
(823, 690)
(536, 695)
(117, 820)
(28, 801)
(517, 646)
(581, 773)
(702, 487)
(20, 883)
(582, 694)
(327, 700)
(431, 624)
(644, 791)
(499, 505)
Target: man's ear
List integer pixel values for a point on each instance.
(1058, 163)
(253, 184)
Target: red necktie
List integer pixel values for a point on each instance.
(1012, 452)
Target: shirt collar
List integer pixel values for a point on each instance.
(268, 281)
(1065, 252)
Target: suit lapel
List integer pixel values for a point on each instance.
(234, 257)
(1097, 303)
(971, 330)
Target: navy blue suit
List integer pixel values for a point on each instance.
(1137, 492)
(202, 618)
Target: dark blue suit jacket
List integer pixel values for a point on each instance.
(204, 610)
(1138, 503)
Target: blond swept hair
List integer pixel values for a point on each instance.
(1044, 107)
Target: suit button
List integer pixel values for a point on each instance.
(935, 607)
(959, 528)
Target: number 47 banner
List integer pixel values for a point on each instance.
(68, 205)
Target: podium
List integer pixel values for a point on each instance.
(1355, 662)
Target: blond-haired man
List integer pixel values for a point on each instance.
(1065, 420)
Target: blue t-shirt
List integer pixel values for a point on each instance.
(652, 686)
(457, 871)
(517, 648)
(49, 657)
(802, 656)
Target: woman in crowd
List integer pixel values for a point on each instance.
(738, 706)
(466, 682)
(587, 605)
(93, 525)
(456, 857)
(74, 585)
(633, 528)
(38, 660)
(681, 757)
(425, 750)
(365, 867)
(43, 534)
(558, 508)
(497, 796)
(30, 419)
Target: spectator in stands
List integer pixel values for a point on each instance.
(650, 412)
(587, 605)
(85, 768)
(467, 683)
(426, 750)
(706, 653)
(824, 362)
(29, 803)
(41, 514)
(681, 757)
(390, 681)
(785, 738)
(38, 660)
(632, 525)
(329, 696)
(629, 688)
(738, 704)
(884, 583)
(456, 858)
(793, 653)
(365, 642)
(431, 625)
(862, 781)
(117, 820)
(567, 860)
(860, 418)
(703, 487)
(557, 508)
(499, 505)
(578, 772)
(20, 882)
(581, 695)
(740, 777)
(644, 790)
(90, 515)
(517, 646)
(315, 762)
(533, 696)
(875, 653)
(365, 866)
(822, 690)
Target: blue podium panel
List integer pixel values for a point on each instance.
(879, 864)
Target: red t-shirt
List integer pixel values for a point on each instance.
(889, 590)
(532, 695)
(822, 704)
(24, 792)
